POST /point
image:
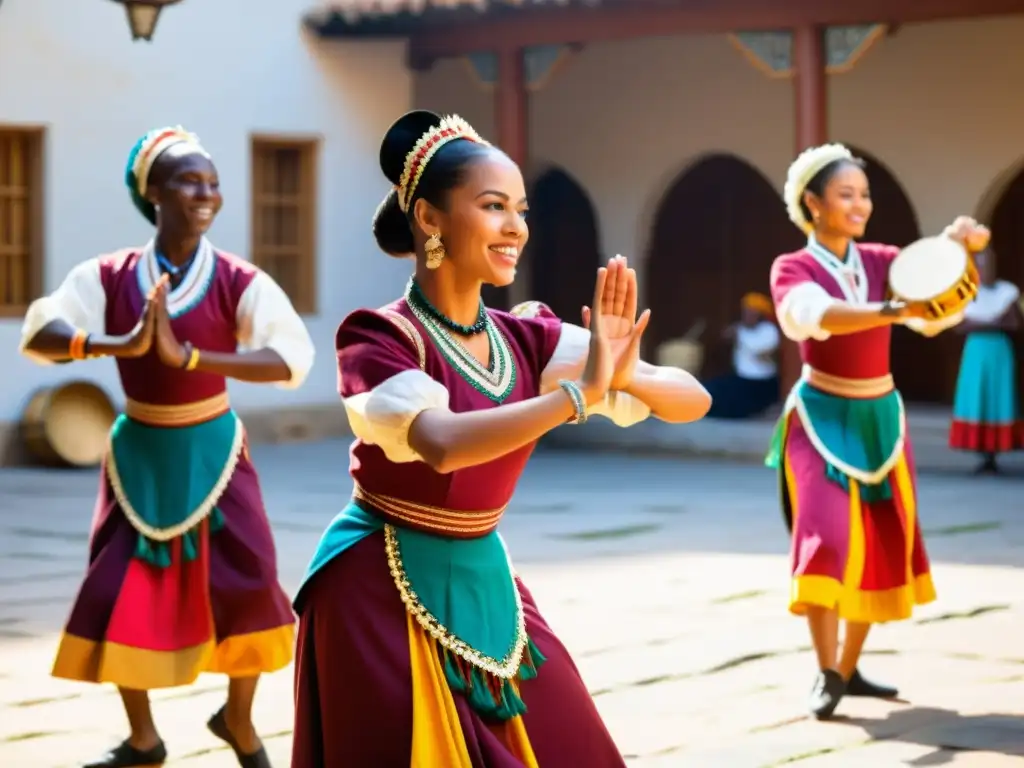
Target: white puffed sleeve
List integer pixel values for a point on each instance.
(383, 415)
(381, 380)
(266, 319)
(80, 301)
(573, 342)
(801, 310)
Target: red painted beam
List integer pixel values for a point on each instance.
(554, 26)
(811, 102)
(511, 103)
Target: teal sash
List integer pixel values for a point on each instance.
(167, 480)
(859, 438)
(462, 592)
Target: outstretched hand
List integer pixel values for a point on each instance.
(600, 364)
(970, 233)
(617, 305)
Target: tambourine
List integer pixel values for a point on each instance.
(936, 271)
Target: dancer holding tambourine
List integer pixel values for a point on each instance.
(842, 450)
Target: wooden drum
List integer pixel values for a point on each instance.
(686, 354)
(937, 271)
(68, 425)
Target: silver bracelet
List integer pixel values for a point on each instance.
(572, 389)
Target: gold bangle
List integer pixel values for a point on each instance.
(76, 348)
(193, 360)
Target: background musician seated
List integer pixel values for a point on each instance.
(753, 386)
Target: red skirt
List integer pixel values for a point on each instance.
(142, 626)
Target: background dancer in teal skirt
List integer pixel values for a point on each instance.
(986, 415)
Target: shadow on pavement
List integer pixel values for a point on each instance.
(947, 731)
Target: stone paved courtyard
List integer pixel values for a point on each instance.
(667, 580)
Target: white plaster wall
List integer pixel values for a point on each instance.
(938, 103)
(224, 70)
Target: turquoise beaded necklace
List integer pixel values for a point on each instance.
(495, 381)
(414, 294)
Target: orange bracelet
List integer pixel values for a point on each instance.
(193, 359)
(76, 349)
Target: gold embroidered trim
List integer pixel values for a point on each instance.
(506, 669)
(527, 309)
(437, 519)
(405, 325)
(183, 415)
(198, 514)
(841, 386)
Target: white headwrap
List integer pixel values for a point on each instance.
(803, 169)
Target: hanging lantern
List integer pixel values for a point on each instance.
(143, 15)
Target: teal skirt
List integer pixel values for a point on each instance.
(986, 389)
(986, 415)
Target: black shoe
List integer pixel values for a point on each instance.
(829, 688)
(861, 686)
(219, 727)
(988, 466)
(124, 755)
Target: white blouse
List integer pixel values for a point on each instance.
(992, 302)
(265, 317)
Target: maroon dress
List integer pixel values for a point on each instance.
(361, 660)
(182, 573)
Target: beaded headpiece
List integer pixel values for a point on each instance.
(142, 157)
(450, 128)
(803, 169)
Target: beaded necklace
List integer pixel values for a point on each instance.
(495, 381)
(414, 295)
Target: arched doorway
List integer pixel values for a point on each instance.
(563, 251)
(924, 369)
(1006, 221)
(716, 232)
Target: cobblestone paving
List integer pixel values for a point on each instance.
(666, 579)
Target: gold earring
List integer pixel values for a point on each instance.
(435, 251)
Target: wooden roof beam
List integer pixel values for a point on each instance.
(527, 27)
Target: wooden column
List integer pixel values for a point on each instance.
(510, 105)
(811, 102)
(512, 122)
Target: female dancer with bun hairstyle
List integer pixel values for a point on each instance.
(842, 449)
(418, 645)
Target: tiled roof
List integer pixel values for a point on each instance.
(358, 9)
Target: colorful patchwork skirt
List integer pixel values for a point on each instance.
(182, 574)
(986, 418)
(847, 485)
(439, 641)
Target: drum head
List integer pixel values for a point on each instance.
(78, 422)
(927, 268)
